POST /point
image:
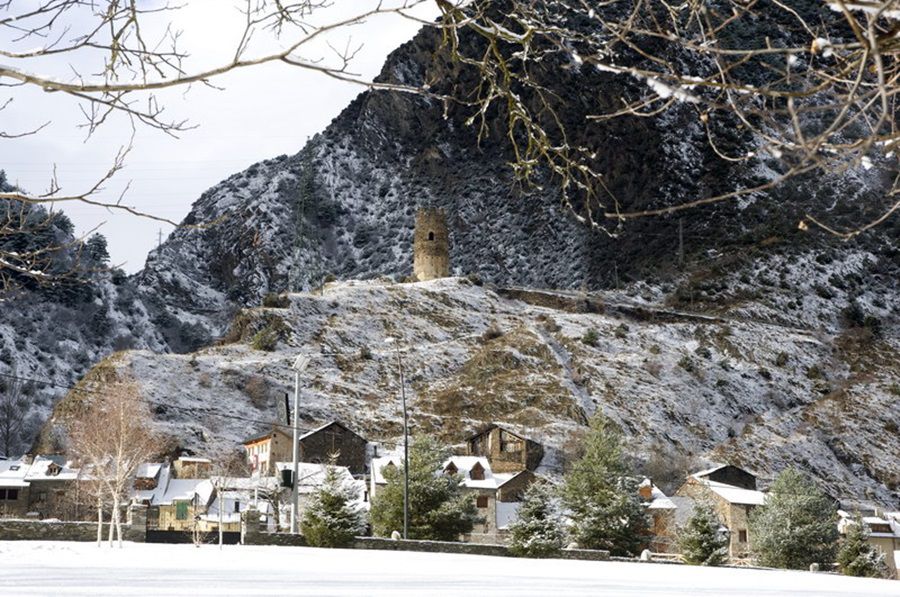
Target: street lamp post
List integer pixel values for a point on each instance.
(299, 365)
(405, 443)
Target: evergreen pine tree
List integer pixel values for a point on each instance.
(700, 541)
(797, 526)
(858, 557)
(438, 508)
(333, 518)
(602, 496)
(538, 532)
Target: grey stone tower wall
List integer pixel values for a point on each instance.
(431, 252)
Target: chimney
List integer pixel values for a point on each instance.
(646, 490)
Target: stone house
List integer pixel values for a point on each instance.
(506, 450)
(37, 487)
(733, 502)
(497, 495)
(661, 511)
(316, 446)
(884, 532)
(13, 488)
(192, 467)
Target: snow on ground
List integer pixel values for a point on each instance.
(44, 568)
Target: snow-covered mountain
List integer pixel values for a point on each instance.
(800, 356)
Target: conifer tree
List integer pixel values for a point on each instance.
(438, 508)
(797, 526)
(858, 557)
(538, 532)
(334, 517)
(700, 541)
(601, 494)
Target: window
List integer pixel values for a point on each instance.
(451, 469)
(9, 495)
(14, 468)
(431, 236)
(237, 506)
(742, 536)
(181, 511)
(481, 501)
(477, 472)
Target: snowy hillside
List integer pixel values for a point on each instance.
(680, 386)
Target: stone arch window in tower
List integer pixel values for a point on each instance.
(431, 253)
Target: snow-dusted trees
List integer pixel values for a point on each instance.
(701, 541)
(858, 557)
(438, 508)
(13, 406)
(538, 532)
(601, 495)
(797, 526)
(334, 516)
(110, 436)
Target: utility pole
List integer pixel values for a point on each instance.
(405, 442)
(405, 449)
(680, 243)
(159, 239)
(299, 365)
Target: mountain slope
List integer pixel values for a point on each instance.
(705, 388)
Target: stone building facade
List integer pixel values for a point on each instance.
(316, 446)
(431, 245)
(505, 450)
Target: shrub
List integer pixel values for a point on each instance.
(276, 301)
(265, 339)
(782, 359)
(621, 331)
(492, 332)
(591, 337)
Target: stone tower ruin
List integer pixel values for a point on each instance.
(431, 253)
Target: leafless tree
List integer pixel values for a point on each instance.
(111, 437)
(13, 406)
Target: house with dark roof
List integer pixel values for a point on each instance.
(316, 446)
(733, 502)
(505, 449)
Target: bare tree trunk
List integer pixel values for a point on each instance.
(99, 522)
(221, 507)
(118, 517)
(112, 518)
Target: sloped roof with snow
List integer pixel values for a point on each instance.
(41, 467)
(12, 473)
(184, 490)
(310, 476)
(148, 470)
(658, 499)
(736, 495)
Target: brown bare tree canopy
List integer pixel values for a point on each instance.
(110, 438)
(810, 84)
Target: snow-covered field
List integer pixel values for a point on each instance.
(50, 568)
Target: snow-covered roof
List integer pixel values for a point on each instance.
(195, 459)
(736, 495)
(228, 499)
(658, 499)
(149, 495)
(40, 470)
(184, 490)
(378, 465)
(12, 473)
(148, 470)
(310, 476)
